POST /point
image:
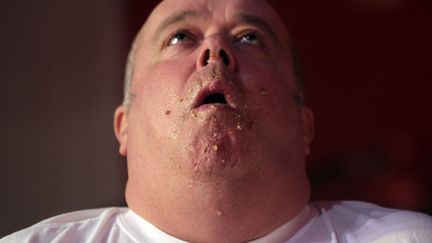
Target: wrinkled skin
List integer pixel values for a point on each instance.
(215, 172)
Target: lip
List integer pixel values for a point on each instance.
(213, 107)
(213, 88)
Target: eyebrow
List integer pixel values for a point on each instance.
(174, 19)
(255, 20)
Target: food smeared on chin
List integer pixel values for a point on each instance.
(218, 137)
(215, 128)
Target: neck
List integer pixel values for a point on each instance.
(221, 211)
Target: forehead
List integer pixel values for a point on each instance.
(213, 11)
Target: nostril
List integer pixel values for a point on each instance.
(224, 57)
(206, 58)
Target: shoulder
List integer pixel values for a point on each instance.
(365, 212)
(361, 221)
(71, 227)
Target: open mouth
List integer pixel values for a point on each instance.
(211, 98)
(216, 98)
(216, 94)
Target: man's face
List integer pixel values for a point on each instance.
(213, 97)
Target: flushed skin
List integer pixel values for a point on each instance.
(215, 172)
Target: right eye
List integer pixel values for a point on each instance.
(178, 38)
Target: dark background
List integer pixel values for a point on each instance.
(367, 65)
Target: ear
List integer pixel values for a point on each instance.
(308, 129)
(120, 128)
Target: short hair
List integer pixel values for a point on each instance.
(130, 66)
(298, 75)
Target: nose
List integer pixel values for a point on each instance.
(215, 50)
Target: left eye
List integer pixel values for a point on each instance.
(250, 38)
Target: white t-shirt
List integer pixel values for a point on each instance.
(319, 222)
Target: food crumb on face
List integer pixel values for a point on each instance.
(215, 147)
(239, 126)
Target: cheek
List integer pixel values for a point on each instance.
(270, 93)
(153, 106)
(158, 101)
(158, 80)
(267, 85)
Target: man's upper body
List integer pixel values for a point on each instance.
(214, 129)
(216, 135)
(335, 222)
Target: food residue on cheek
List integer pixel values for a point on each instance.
(190, 184)
(174, 135)
(259, 100)
(239, 126)
(206, 148)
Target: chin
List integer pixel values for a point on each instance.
(215, 157)
(213, 143)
